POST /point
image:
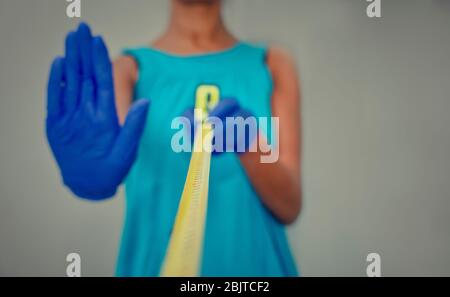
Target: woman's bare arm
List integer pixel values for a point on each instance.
(125, 77)
(278, 183)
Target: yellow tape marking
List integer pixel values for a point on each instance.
(183, 256)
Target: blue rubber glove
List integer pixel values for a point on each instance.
(241, 138)
(93, 151)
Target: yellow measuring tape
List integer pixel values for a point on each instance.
(183, 256)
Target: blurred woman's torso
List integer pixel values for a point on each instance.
(242, 238)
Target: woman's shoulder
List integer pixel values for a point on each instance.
(282, 66)
(126, 67)
(279, 59)
(273, 52)
(129, 62)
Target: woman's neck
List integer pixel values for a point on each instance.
(195, 27)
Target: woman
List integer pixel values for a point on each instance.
(100, 134)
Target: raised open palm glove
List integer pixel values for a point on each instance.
(94, 153)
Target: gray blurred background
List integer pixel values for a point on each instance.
(376, 103)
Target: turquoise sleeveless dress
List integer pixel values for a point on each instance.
(242, 237)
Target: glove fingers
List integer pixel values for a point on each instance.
(245, 135)
(84, 41)
(225, 108)
(131, 132)
(72, 73)
(189, 114)
(103, 78)
(55, 87)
